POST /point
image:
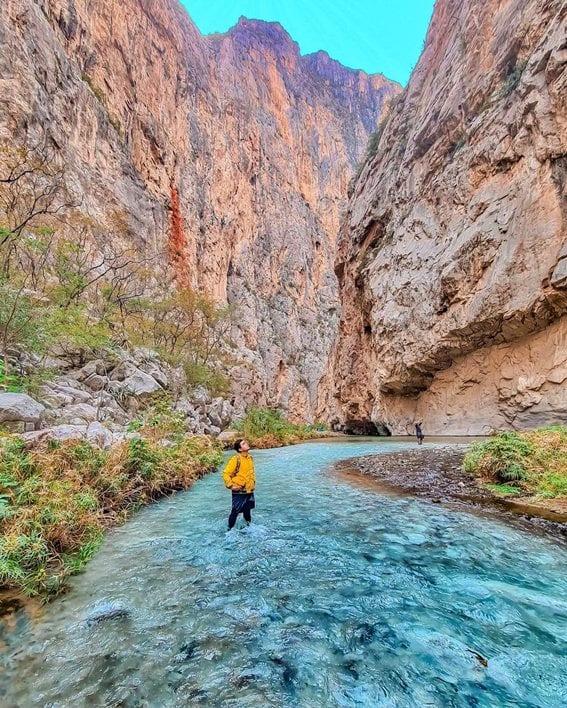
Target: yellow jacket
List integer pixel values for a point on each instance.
(239, 472)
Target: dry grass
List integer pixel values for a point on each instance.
(532, 463)
(56, 500)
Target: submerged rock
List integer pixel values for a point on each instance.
(107, 610)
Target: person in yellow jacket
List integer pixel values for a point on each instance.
(240, 478)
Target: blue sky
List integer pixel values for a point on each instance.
(375, 35)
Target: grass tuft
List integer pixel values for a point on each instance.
(533, 462)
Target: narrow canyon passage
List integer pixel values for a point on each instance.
(337, 595)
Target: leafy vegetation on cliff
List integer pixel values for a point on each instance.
(70, 287)
(265, 427)
(533, 462)
(57, 499)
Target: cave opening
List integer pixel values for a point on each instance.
(366, 427)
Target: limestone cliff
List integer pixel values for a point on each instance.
(232, 153)
(453, 253)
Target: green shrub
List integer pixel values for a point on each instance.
(533, 462)
(207, 375)
(503, 458)
(267, 427)
(159, 420)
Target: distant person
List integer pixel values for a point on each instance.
(240, 478)
(419, 433)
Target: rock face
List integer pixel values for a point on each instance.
(453, 253)
(229, 153)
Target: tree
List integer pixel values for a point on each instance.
(185, 328)
(22, 308)
(32, 190)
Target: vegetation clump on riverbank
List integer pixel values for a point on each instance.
(265, 427)
(531, 463)
(57, 499)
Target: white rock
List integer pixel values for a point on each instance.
(227, 413)
(140, 384)
(95, 367)
(124, 370)
(228, 436)
(15, 407)
(65, 432)
(54, 398)
(98, 435)
(185, 406)
(200, 396)
(214, 418)
(155, 372)
(78, 412)
(76, 393)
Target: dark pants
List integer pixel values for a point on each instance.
(242, 503)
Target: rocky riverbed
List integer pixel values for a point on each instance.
(435, 473)
(98, 399)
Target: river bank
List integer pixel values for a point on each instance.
(435, 472)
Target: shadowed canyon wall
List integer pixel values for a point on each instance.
(453, 253)
(229, 154)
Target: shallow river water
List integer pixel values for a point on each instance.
(337, 595)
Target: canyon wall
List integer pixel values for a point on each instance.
(233, 152)
(452, 257)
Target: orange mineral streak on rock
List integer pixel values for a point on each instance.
(177, 244)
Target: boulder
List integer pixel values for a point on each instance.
(140, 384)
(57, 432)
(96, 367)
(123, 370)
(106, 610)
(227, 413)
(78, 412)
(109, 410)
(96, 382)
(186, 407)
(100, 436)
(19, 412)
(227, 438)
(200, 396)
(559, 275)
(54, 398)
(56, 363)
(195, 426)
(156, 372)
(214, 418)
(69, 388)
(95, 433)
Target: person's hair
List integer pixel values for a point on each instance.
(237, 444)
